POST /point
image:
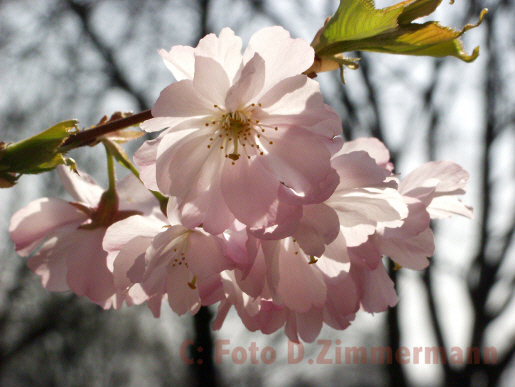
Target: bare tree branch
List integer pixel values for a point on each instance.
(117, 76)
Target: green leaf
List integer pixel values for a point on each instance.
(357, 19)
(358, 26)
(412, 10)
(36, 154)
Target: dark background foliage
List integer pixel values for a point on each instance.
(62, 59)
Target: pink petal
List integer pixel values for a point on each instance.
(342, 297)
(358, 170)
(309, 324)
(181, 297)
(301, 168)
(226, 50)
(447, 176)
(337, 321)
(134, 195)
(251, 193)
(88, 274)
(172, 211)
(131, 254)
(180, 103)
(210, 289)
(379, 289)
(210, 80)
(205, 255)
(365, 255)
(154, 304)
(197, 187)
(356, 234)
(81, 187)
(207, 208)
(239, 249)
(290, 272)
(163, 249)
(369, 207)
(337, 251)
(221, 314)
(253, 281)
(120, 233)
(180, 61)
(318, 227)
(375, 148)
(283, 55)
(166, 149)
(445, 206)
(416, 222)
(411, 253)
(145, 158)
(297, 101)
(436, 184)
(248, 86)
(290, 328)
(271, 317)
(30, 225)
(50, 263)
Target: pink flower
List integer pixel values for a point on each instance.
(71, 257)
(247, 134)
(436, 184)
(280, 283)
(409, 241)
(430, 192)
(338, 308)
(364, 198)
(154, 261)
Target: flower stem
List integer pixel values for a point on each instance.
(88, 136)
(163, 200)
(111, 170)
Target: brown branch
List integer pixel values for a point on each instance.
(88, 136)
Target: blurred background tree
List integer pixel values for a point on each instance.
(62, 59)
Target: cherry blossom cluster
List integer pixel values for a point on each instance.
(268, 209)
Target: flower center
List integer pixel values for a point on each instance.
(238, 126)
(178, 258)
(232, 129)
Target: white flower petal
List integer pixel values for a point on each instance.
(169, 152)
(283, 55)
(297, 283)
(88, 274)
(80, 186)
(251, 193)
(248, 86)
(297, 101)
(226, 50)
(33, 223)
(211, 80)
(379, 290)
(120, 233)
(50, 263)
(411, 253)
(180, 61)
(318, 227)
(205, 255)
(179, 102)
(301, 168)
